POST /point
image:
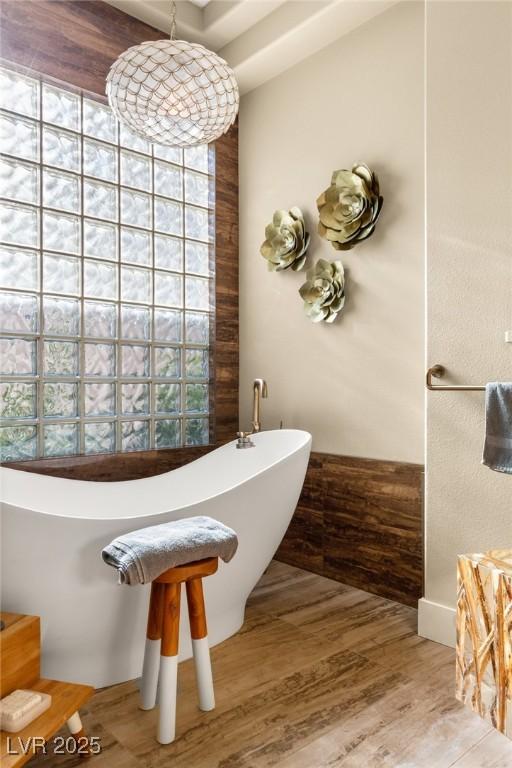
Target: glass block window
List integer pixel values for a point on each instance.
(106, 280)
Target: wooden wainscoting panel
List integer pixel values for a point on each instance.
(303, 542)
(73, 41)
(111, 467)
(360, 521)
(226, 286)
(302, 545)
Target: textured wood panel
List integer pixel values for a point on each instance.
(110, 467)
(73, 41)
(76, 42)
(360, 521)
(226, 287)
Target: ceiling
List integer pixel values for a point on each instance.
(258, 38)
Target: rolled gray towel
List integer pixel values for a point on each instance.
(142, 555)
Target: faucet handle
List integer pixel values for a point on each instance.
(244, 440)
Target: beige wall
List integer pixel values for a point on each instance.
(356, 385)
(469, 256)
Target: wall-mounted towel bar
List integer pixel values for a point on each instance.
(437, 372)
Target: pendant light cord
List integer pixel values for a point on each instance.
(173, 19)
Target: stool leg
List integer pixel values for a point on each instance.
(199, 632)
(169, 664)
(76, 730)
(151, 664)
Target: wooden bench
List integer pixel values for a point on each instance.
(20, 667)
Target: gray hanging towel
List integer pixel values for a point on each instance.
(141, 556)
(498, 427)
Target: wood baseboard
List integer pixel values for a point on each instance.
(360, 521)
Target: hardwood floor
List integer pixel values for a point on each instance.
(322, 675)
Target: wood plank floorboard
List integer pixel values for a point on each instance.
(321, 675)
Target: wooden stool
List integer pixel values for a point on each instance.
(162, 637)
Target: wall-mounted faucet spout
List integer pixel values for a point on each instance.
(260, 390)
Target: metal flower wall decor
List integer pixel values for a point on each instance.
(350, 207)
(324, 291)
(286, 241)
(348, 211)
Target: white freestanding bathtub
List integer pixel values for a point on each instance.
(53, 531)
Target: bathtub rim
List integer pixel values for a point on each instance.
(305, 441)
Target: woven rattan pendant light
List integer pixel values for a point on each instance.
(173, 92)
